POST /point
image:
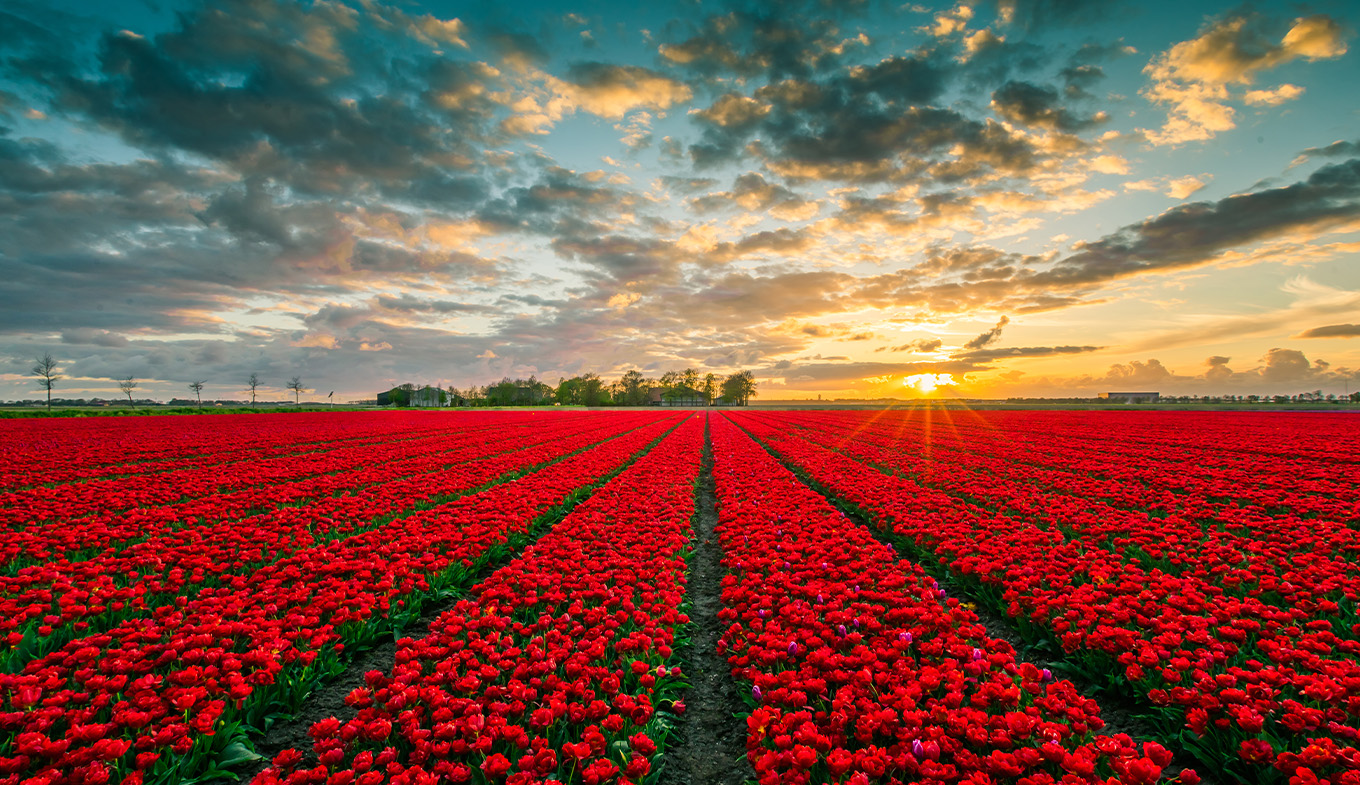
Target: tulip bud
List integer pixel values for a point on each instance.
(755, 691)
(793, 648)
(1048, 675)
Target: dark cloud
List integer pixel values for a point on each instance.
(776, 41)
(1031, 104)
(1194, 233)
(867, 124)
(85, 335)
(1040, 15)
(688, 185)
(412, 304)
(291, 92)
(990, 355)
(991, 336)
(752, 193)
(1337, 149)
(1332, 331)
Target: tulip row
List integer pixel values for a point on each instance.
(560, 668)
(44, 606)
(216, 490)
(53, 452)
(1263, 692)
(160, 698)
(1167, 463)
(1279, 559)
(861, 670)
(80, 538)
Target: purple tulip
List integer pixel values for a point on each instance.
(793, 648)
(916, 748)
(755, 691)
(1048, 675)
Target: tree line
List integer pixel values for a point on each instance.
(48, 374)
(687, 387)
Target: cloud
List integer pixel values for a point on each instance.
(751, 192)
(611, 91)
(1285, 92)
(778, 41)
(1332, 331)
(85, 335)
(1138, 373)
(919, 346)
(1194, 233)
(1183, 187)
(1218, 370)
(1031, 104)
(991, 355)
(991, 336)
(1193, 77)
(1337, 149)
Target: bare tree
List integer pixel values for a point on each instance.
(45, 368)
(254, 384)
(197, 387)
(295, 384)
(127, 386)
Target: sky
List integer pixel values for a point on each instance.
(850, 199)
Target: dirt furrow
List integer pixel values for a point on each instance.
(712, 746)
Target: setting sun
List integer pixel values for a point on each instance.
(927, 383)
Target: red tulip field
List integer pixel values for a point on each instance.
(665, 596)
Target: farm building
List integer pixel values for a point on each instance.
(1131, 397)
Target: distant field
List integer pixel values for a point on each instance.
(920, 594)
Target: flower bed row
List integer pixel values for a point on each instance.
(162, 698)
(49, 452)
(1166, 462)
(236, 486)
(44, 606)
(861, 670)
(561, 667)
(1263, 693)
(1283, 560)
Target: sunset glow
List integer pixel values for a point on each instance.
(927, 383)
(1023, 198)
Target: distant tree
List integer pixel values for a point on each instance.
(584, 390)
(127, 386)
(197, 387)
(295, 384)
(633, 388)
(740, 387)
(45, 368)
(254, 384)
(569, 391)
(690, 378)
(670, 378)
(709, 387)
(501, 393)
